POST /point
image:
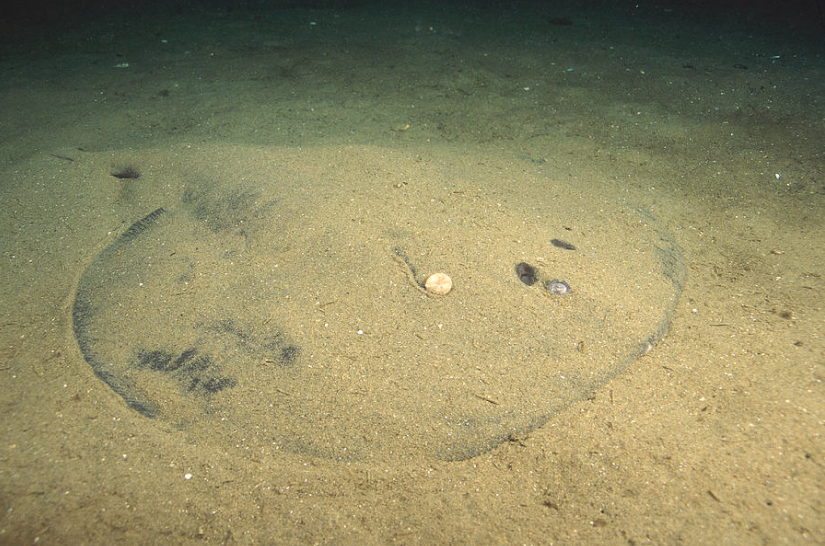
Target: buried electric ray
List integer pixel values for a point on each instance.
(275, 300)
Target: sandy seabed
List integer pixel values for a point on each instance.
(712, 125)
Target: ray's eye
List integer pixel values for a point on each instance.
(526, 273)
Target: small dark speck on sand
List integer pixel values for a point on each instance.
(126, 173)
(562, 244)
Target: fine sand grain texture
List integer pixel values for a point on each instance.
(217, 223)
(281, 306)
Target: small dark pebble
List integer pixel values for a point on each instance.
(739, 66)
(562, 244)
(526, 273)
(126, 173)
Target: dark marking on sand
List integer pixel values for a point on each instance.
(526, 273)
(558, 243)
(126, 173)
(400, 253)
(84, 309)
(194, 371)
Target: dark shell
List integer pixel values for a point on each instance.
(526, 273)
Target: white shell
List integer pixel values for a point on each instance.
(439, 283)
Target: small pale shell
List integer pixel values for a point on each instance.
(439, 283)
